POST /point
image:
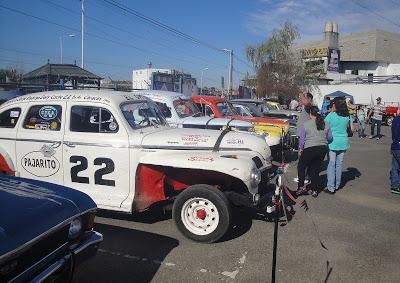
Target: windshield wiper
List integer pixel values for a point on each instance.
(197, 114)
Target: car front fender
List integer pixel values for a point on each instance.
(237, 166)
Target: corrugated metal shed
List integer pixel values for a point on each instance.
(60, 70)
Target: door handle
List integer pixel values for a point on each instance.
(69, 144)
(55, 145)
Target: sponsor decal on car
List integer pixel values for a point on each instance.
(48, 112)
(201, 159)
(41, 163)
(235, 141)
(194, 139)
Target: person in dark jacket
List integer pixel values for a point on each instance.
(395, 147)
(314, 137)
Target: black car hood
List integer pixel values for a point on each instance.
(30, 208)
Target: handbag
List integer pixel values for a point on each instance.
(349, 131)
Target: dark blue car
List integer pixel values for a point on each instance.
(45, 230)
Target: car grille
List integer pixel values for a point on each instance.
(257, 161)
(39, 250)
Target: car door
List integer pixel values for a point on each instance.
(96, 153)
(39, 142)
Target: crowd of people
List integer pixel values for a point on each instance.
(326, 132)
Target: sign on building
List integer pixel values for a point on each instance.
(333, 60)
(317, 52)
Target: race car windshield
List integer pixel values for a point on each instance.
(226, 108)
(141, 114)
(186, 108)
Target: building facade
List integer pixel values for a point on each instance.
(164, 79)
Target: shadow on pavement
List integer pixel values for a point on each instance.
(126, 255)
(350, 174)
(150, 216)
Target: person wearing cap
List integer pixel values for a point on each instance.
(376, 119)
(395, 148)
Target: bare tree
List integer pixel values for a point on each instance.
(279, 69)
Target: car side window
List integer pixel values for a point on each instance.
(209, 111)
(164, 109)
(9, 118)
(43, 117)
(90, 119)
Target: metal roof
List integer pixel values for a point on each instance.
(60, 70)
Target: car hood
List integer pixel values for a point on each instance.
(214, 122)
(30, 208)
(195, 139)
(277, 122)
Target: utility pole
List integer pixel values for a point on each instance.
(61, 45)
(201, 80)
(83, 25)
(61, 49)
(230, 70)
(230, 73)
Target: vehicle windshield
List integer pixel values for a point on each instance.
(272, 106)
(226, 108)
(186, 108)
(141, 114)
(254, 110)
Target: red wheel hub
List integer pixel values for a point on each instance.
(201, 213)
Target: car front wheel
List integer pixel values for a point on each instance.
(202, 213)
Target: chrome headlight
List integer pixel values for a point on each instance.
(255, 177)
(75, 228)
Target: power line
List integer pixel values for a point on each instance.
(136, 35)
(376, 14)
(243, 61)
(162, 25)
(167, 57)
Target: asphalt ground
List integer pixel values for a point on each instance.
(352, 236)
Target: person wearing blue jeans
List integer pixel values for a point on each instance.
(335, 169)
(338, 120)
(395, 148)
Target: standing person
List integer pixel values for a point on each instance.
(314, 136)
(306, 103)
(325, 106)
(395, 148)
(338, 120)
(376, 114)
(293, 104)
(360, 121)
(306, 100)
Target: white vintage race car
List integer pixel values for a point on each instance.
(117, 148)
(182, 112)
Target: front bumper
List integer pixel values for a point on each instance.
(260, 200)
(62, 262)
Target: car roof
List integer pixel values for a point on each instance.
(165, 95)
(207, 98)
(104, 96)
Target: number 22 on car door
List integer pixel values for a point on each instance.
(96, 154)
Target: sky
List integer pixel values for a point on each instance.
(116, 42)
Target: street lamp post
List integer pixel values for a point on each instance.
(61, 45)
(201, 80)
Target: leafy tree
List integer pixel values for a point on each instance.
(279, 68)
(12, 75)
